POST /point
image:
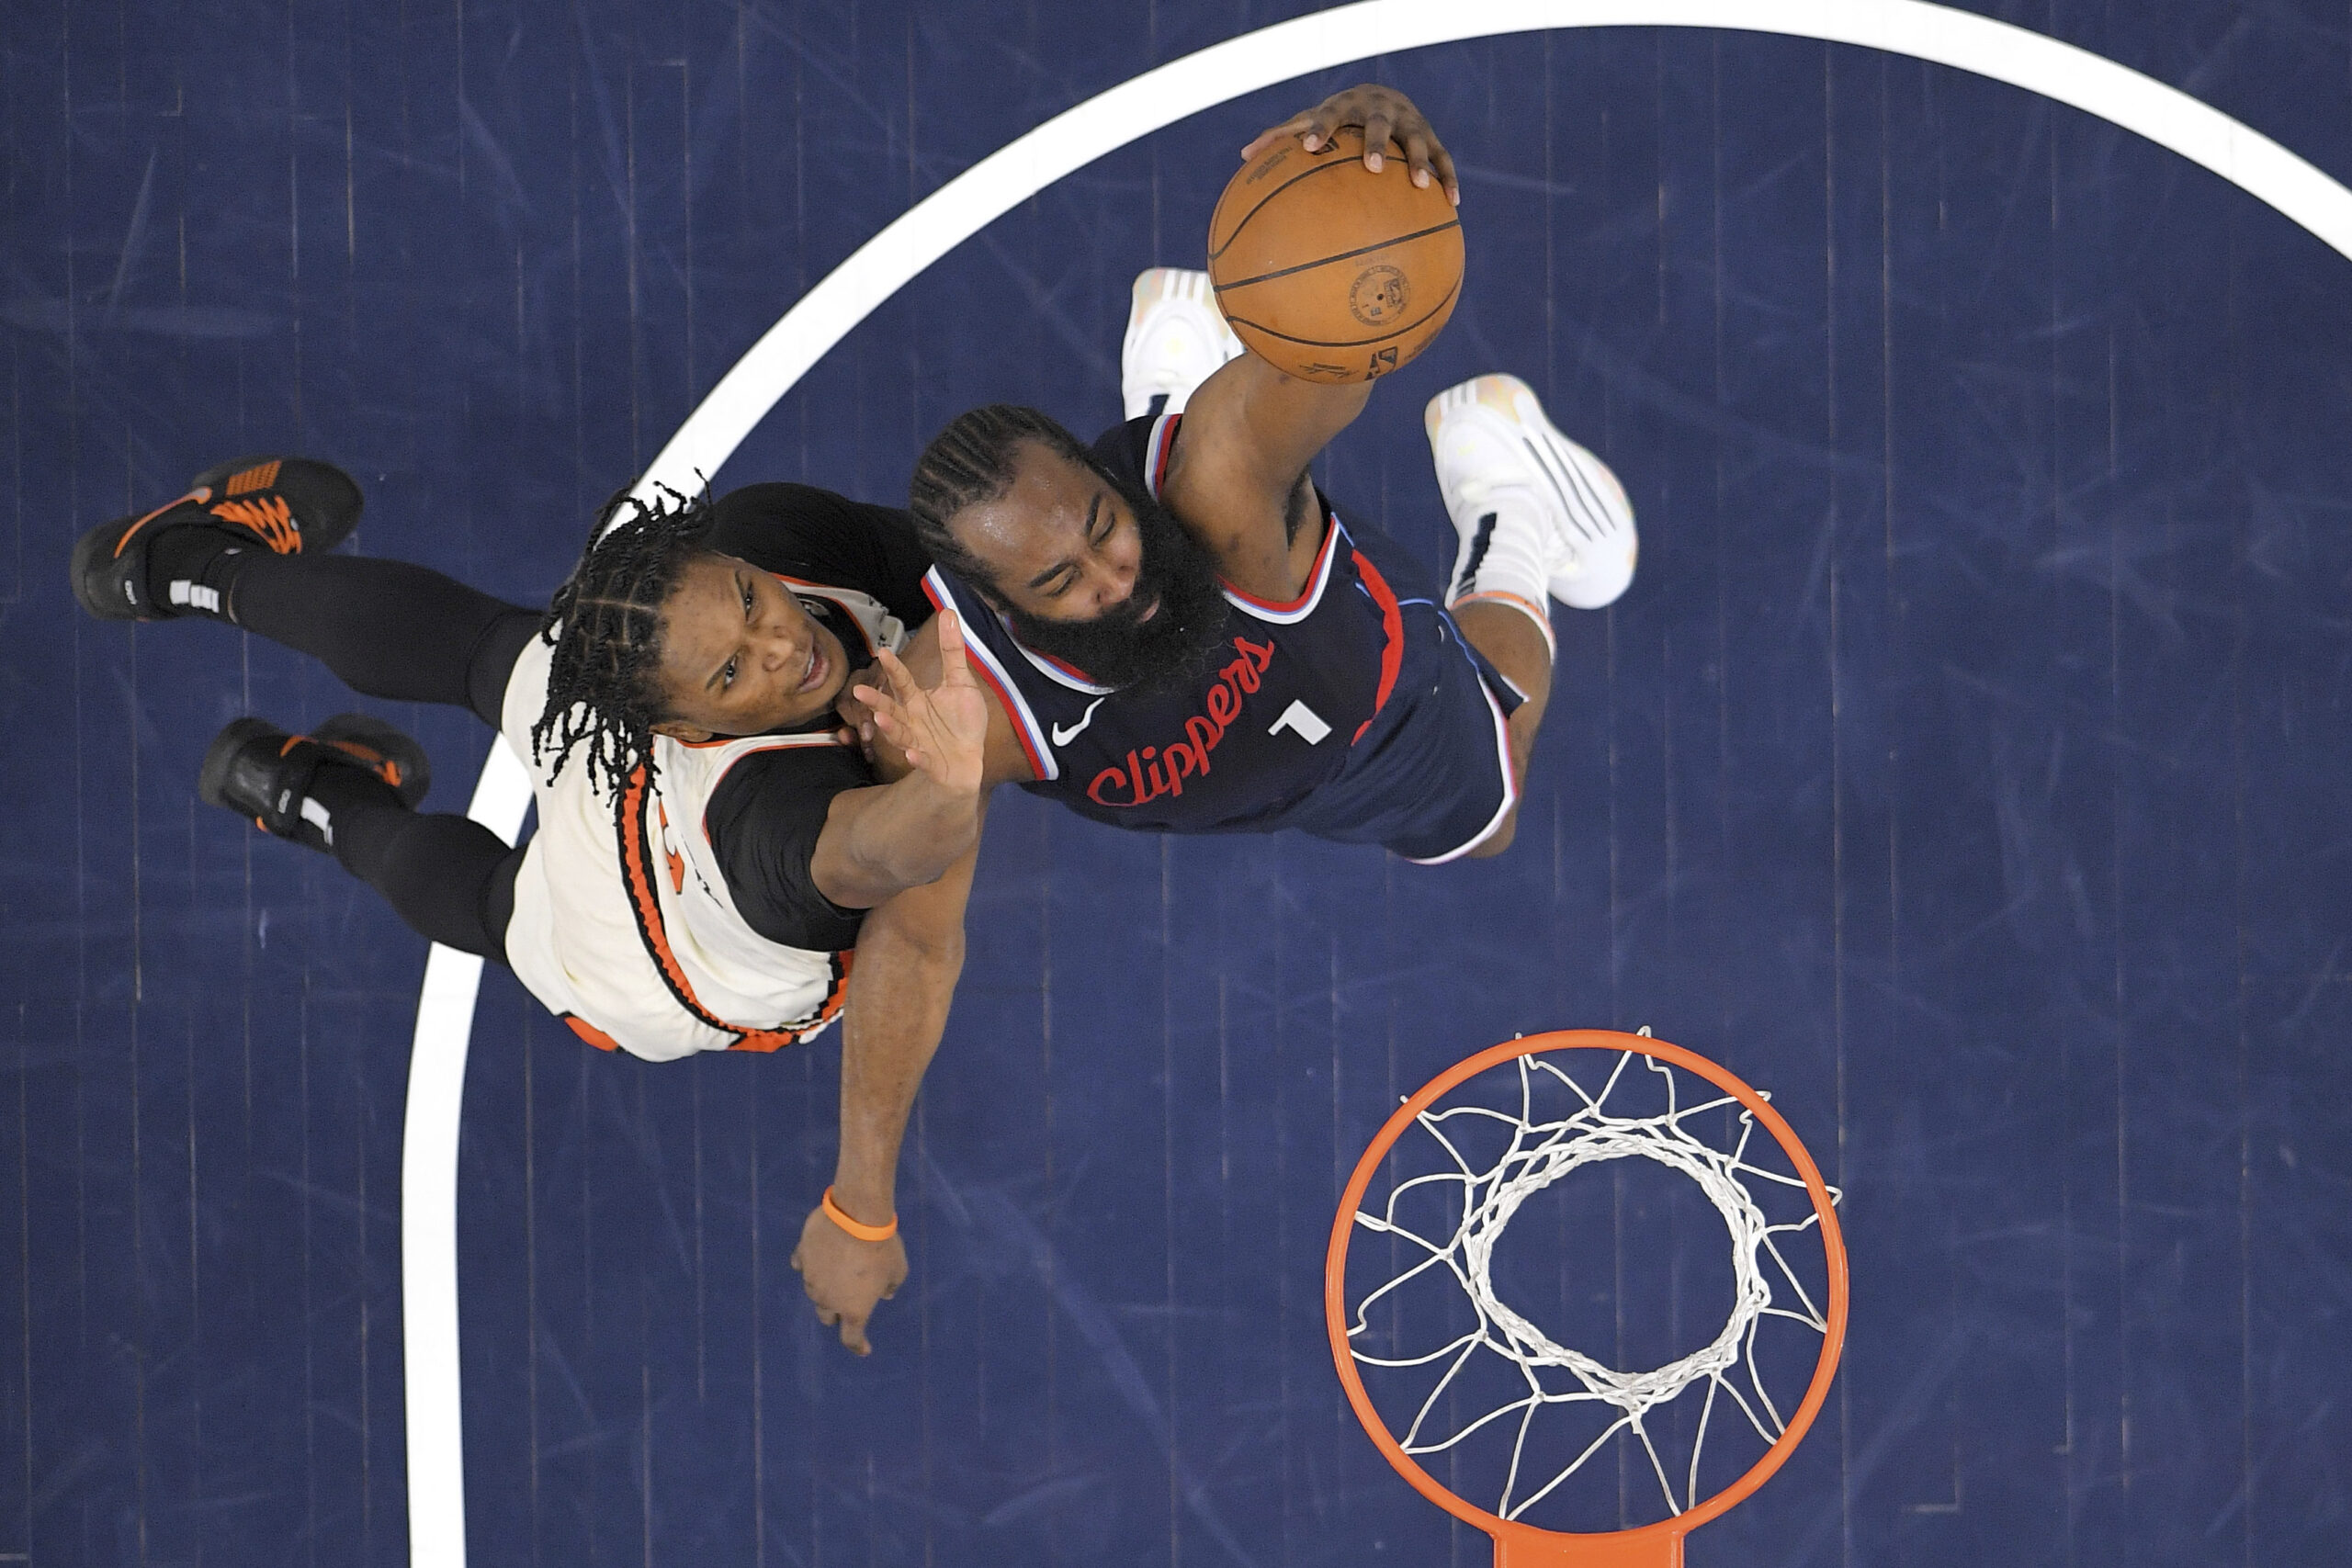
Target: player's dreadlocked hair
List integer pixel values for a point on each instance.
(971, 462)
(605, 628)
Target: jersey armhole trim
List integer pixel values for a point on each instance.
(1158, 447)
(1304, 605)
(1025, 728)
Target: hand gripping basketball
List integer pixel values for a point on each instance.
(1332, 263)
(1385, 113)
(943, 730)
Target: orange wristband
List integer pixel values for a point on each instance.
(863, 1232)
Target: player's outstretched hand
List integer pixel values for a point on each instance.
(943, 730)
(845, 1276)
(1384, 113)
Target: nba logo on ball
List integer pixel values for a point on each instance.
(1378, 295)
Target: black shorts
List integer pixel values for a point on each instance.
(1431, 778)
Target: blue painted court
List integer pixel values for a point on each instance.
(1965, 767)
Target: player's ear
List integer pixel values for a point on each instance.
(678, 729)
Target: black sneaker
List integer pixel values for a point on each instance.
(288, 505)
(257, 770)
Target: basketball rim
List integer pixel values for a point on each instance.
(1520, 1545)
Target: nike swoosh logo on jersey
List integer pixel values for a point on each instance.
(1064, 737)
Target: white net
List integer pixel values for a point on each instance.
(1557, 1127)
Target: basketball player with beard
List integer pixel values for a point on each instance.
(1182, 635)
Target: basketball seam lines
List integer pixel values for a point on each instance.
(1324, 166)
(1345, 342)
(1343, 255)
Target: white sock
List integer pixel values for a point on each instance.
(1501, 560)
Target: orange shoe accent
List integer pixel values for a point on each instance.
(270, 517)
(198, 493)
(260, 477)
(368, 757)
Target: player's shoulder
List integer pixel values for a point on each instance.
(805, 532)
(1126, 449)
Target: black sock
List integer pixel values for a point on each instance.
(196, 554)
(360, 808)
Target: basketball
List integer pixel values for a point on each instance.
(1328, 271)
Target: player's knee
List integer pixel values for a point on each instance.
(1500, 841)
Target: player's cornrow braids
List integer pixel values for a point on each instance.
(605, 626)
(971, 462)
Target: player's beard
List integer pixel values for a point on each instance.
(1117, 649)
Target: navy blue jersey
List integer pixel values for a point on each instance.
(1270, 720)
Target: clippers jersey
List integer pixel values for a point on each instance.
(628, 930)
(1240, 746)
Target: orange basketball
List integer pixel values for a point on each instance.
(1328, 271)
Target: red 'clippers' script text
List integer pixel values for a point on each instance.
(1162, 771)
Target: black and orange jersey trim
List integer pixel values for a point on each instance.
(635, 831)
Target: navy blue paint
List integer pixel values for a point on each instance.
(1963, 767)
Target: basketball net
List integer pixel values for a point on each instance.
(1577, 1129)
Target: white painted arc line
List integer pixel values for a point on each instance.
(436, 1080)
(993, 186)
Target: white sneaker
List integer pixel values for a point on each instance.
(1176, 339)
(1496, 453)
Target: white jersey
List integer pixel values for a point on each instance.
(625, 928)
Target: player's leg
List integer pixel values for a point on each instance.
(1176, 339)
(1539, 518)
(245, 544)
(349, 789)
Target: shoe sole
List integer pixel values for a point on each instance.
(213, 775)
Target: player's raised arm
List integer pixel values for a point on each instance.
(1333, 274)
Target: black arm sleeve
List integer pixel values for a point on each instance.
(764, 821)
(801, 531)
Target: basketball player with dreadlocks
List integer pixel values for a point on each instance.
(709, 851)
(1181, 634)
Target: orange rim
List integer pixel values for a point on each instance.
(1534, 1544)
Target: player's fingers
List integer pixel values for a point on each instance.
(1296, 125)
(951, 644)
(1417, 158)
(854, 1334)
(795, 1259)
(901, 679)
(878, 705)
(1443, 162)
(1377, 125)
